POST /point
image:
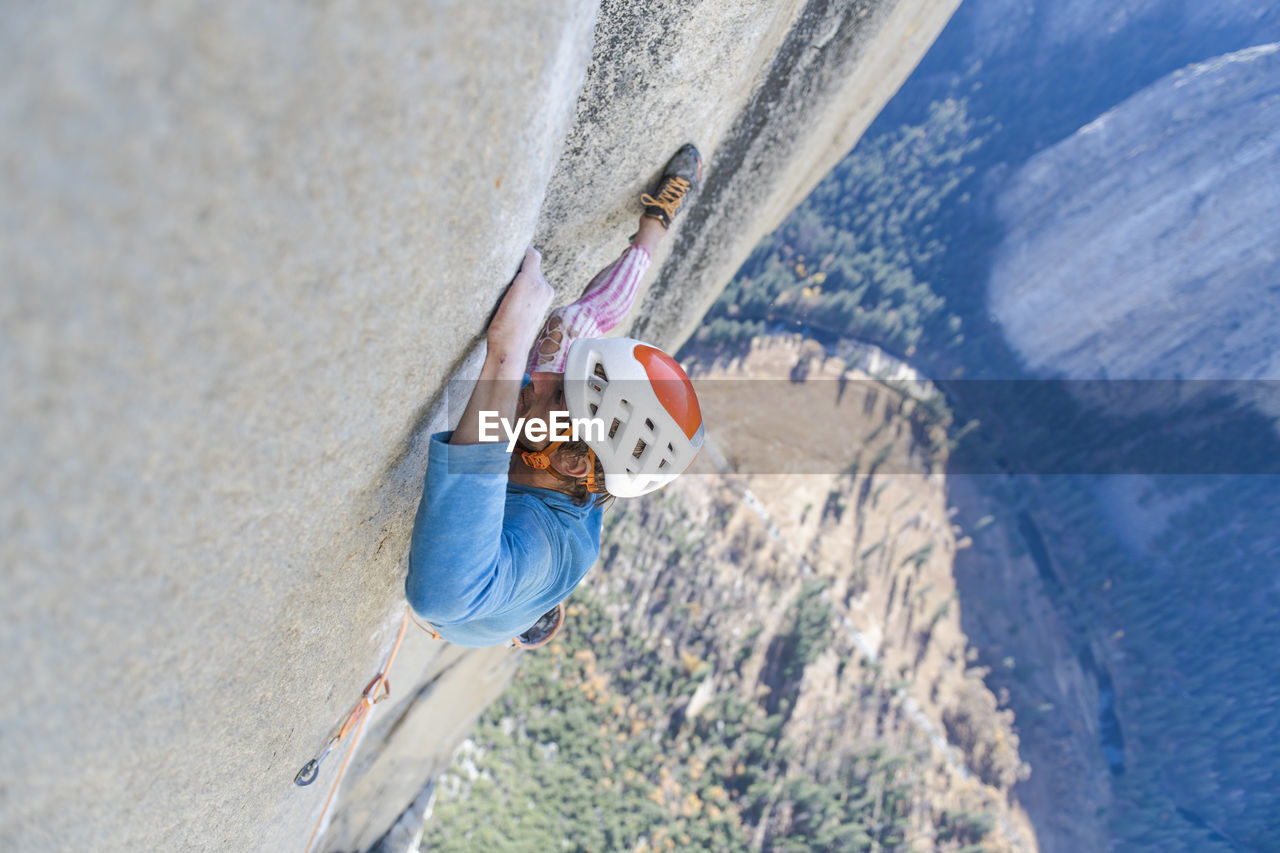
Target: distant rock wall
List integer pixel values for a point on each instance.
(1085, 27)
(243, 249)
(1145, 245)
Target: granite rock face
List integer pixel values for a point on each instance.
(243, 246)
(1145, 245)
(243, 250)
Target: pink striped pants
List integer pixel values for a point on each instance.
(602, 306)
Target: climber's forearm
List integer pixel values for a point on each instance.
(510, 337)
(498, 390)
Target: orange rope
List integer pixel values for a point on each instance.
(359, 714)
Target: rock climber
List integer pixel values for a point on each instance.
(501, 538)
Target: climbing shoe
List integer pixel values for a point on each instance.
(680, 179)
(547, 626)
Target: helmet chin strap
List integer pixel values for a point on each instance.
(540, 460)
(592, 486)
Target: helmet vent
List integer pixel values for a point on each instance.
(640, 446)
(599, 371)
(648, 424)
(594, 408)
(613, 428)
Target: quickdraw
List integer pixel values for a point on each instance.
(311, 770)
(377, 690)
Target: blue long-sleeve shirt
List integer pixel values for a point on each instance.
(488, 557)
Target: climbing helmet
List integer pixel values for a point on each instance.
(652, 423)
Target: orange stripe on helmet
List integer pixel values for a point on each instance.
(672, 388)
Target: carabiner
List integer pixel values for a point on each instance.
(311, 769)
(307, 774)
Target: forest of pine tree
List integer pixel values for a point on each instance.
(858, 253)
(589, 750)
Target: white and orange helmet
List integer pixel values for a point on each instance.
(652, 423)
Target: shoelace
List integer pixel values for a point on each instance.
(669, 196)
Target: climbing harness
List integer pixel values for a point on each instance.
(377, 690)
